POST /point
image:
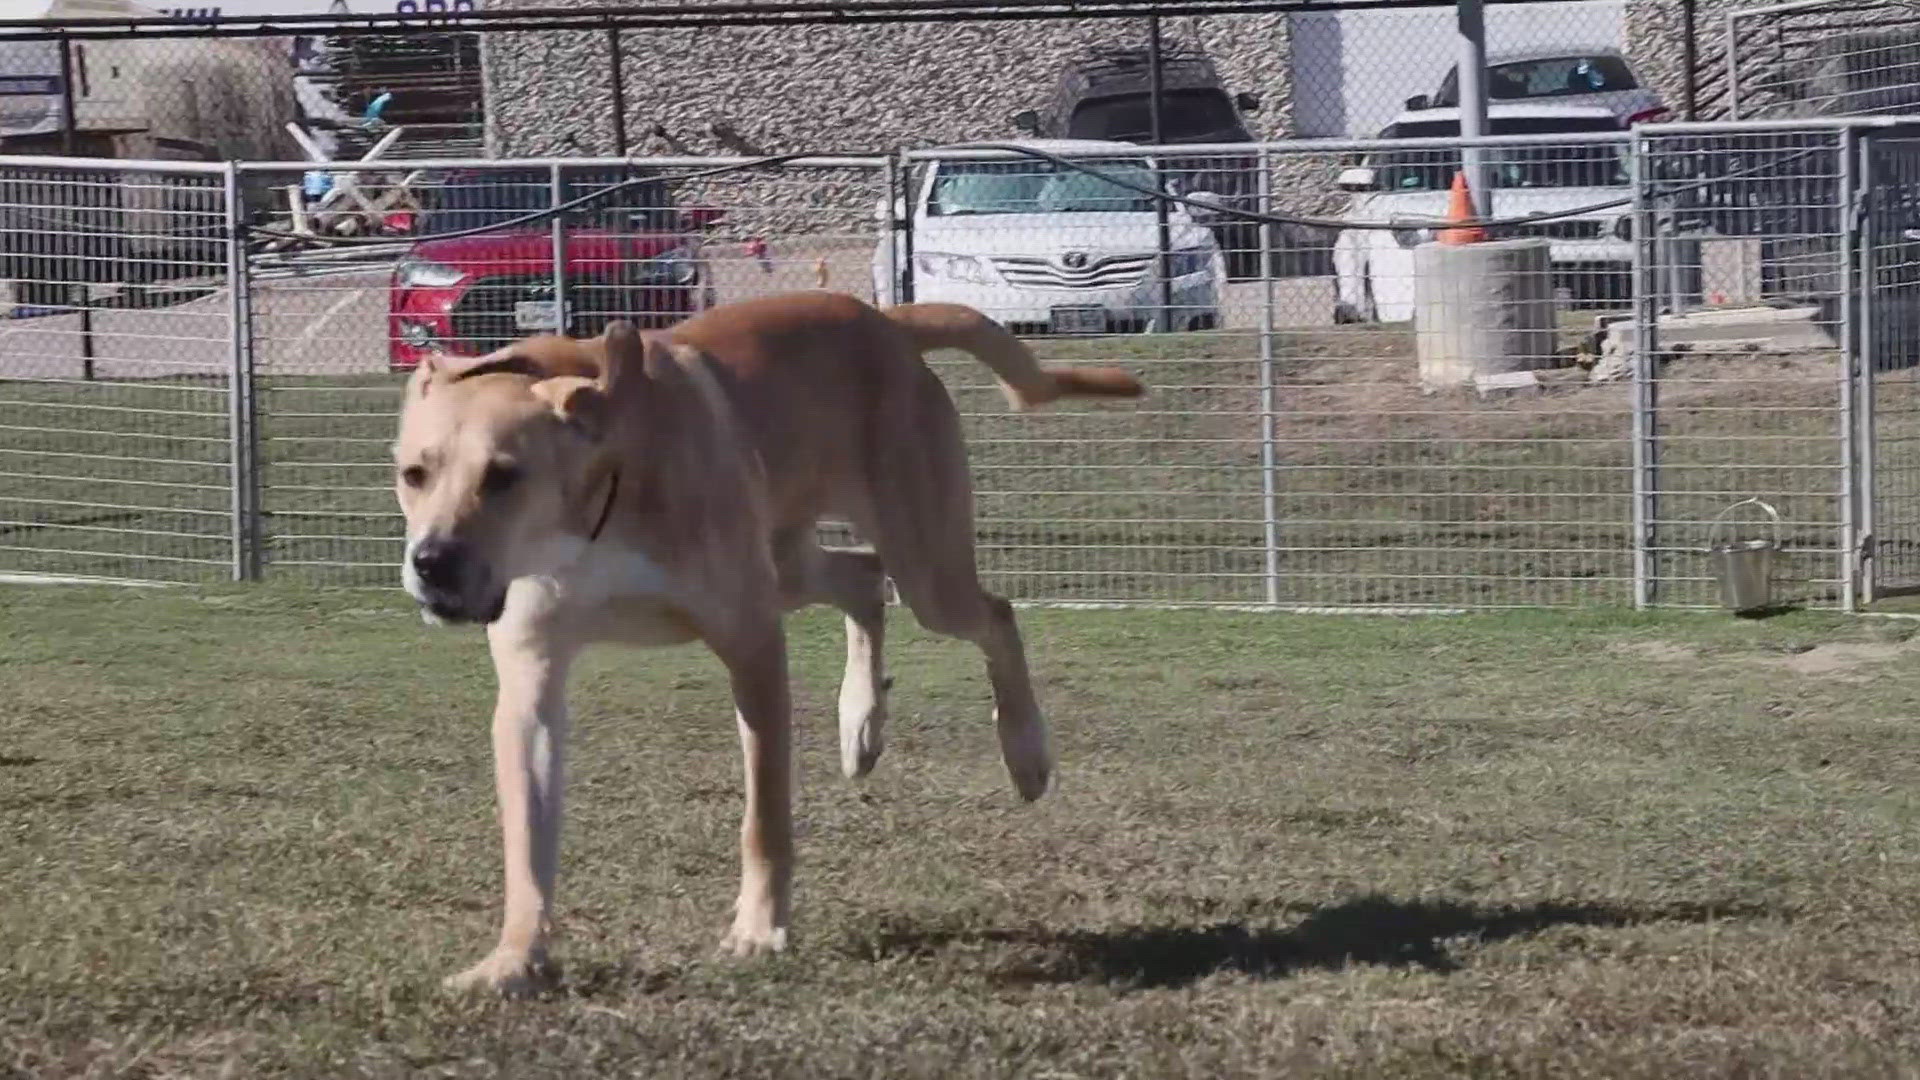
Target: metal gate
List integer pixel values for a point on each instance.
(1888, 308)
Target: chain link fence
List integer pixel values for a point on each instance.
(1823, 58)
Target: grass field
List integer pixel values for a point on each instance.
(1381, 494)
(246, 831)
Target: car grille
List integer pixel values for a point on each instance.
(483, 316)
(1111, 272)
(1558, 230)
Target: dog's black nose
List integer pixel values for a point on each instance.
(438, 562)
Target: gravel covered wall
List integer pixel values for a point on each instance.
(1656, 43)
(875, 89)
(828, 89)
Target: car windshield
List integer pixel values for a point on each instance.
(1552, 76)
(1187, 113)
(1038, 187)
(1531, 166)
(458, 202)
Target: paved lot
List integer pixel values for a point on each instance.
(336, 324)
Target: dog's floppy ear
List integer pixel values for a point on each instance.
(431, 369)
(580, 402)
(436, 368)
(636, 362)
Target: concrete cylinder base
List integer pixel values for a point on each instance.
(1482, 309)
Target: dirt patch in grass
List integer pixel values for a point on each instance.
(1843, 658)
(1666, 652)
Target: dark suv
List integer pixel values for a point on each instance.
(1106, 94)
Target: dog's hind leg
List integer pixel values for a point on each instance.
(852, 581)
(921, 519)
(756, 660)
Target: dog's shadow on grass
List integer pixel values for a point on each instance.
(1371, 930)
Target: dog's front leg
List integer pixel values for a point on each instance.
(529, 737)
(757, 667)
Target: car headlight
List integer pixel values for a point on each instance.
(422, 274)
(1188, 261)
(1623, 227)
(1407, 238)
(956, 267)
(674, 266)
(418, 335)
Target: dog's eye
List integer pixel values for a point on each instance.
(413, 476)
(499, 478)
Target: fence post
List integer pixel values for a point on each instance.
(1269, 494)
(1865, 453)
(242, 414)
(1689, 59)
(1849, 356)
(619, 92)
(1156, 102)
(1646, 317)
(889, 225)
(69, 126)
(1861, 360)
(904, 222)
(557, 194)
(1733, 65)
(69, 145)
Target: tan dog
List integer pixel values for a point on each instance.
(664, 488)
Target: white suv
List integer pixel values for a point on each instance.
(1048, 249)
(1592, 253)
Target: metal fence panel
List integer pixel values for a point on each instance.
(1890, 181)
(115, 370)
(1748, 235)
(1290, 452)
(1298, 447)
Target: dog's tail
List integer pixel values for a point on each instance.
(1026, 384)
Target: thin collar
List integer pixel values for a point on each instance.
(606, 510)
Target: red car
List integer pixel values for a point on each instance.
(631, 255)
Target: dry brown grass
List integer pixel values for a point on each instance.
(245, 832)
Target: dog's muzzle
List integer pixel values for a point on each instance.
(449, 583)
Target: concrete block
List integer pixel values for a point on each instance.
(1719, 331)
(1482, 309)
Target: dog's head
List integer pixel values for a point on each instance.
(503, 465)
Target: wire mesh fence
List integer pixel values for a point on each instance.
(115, 364)
(1746, 400)
(1693, 317)
(1889, 333)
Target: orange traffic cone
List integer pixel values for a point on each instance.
(1460, 208)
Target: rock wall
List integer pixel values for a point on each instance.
(1656, 43)
(827, 89)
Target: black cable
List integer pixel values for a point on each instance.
(1341, 224)
(536, 215)
(1215, 209)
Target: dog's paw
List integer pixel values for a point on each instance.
(754, 938)
(1031, 778)
(862, 740)
(863, 725)
(507, 974)
(1029, 761)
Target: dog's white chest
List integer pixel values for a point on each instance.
(614, 593)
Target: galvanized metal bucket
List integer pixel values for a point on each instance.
(1744, 566)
